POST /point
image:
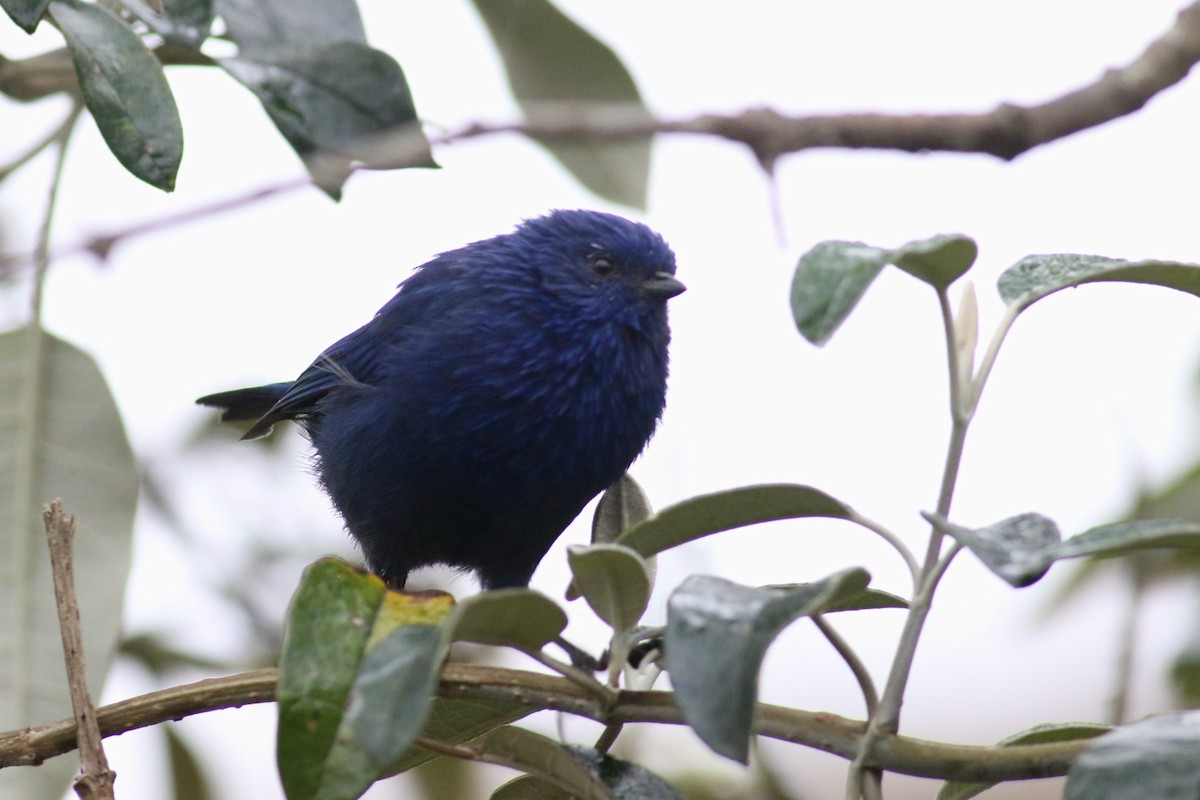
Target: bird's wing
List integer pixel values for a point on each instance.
(351, 361)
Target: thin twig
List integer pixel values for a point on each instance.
(95, 781)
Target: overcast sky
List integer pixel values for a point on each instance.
(1091, 395)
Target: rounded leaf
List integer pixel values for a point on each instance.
(522, 618)
(829, 281)
(614, 580)
(939, 260)
(1154, 759)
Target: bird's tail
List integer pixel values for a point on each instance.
(242, 405)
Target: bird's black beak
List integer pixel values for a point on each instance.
(663, 286)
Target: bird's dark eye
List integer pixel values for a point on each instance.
(602, 265)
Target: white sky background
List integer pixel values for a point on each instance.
(1089, 398)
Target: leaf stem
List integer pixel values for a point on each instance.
(965, 391)
(843, 648)
(989, 357)
(910, 561)
(606, 695)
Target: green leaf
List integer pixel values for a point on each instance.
(394, 690)
(184, 22)
(187, 776)
(626, 781)
(550, 61)
(830, 279)
(1020, 549)
(529, 752)
(60, 436)
(1035, 277)
(866, 600)
(26, 13)
(1125, 537)
(328, 624)
(722, 511)
(717, 634)
(455, 721)
(329, 670)
(1185, 669)
(1154, 759)
(623, 504)
(522, 618)
(253, 24)
(1039, 734)
(125, 89)
(614, 580)
(939, 260)
(334, 102)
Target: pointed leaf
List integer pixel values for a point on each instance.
(456, 720)
(125, 89)
(867, 599)
(1154, 759)
(60, 436)
(184, 22)
(626, 781)
(254, 24)
(343, 97)
(1124, 537)
(1035, 277)
(939, 260)
(26, 13)
(830, 279)
(530, 752)
(614, 580)
(1039, 734)
(187, 776)
(623, 504)
(551, 61)
(522, 618)
(717, 635)
(723, 511)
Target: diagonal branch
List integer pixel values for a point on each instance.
(1006, 131)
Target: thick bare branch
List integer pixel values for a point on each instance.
(828, 732)
(1005, 132)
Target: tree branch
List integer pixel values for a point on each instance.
(1005, 132)
(95, 781)
(827, 732)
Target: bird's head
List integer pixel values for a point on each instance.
(606, 265)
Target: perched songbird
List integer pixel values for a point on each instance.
(504, 386)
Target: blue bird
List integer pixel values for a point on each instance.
(505, 385)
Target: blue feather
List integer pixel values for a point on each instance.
(505, 385)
